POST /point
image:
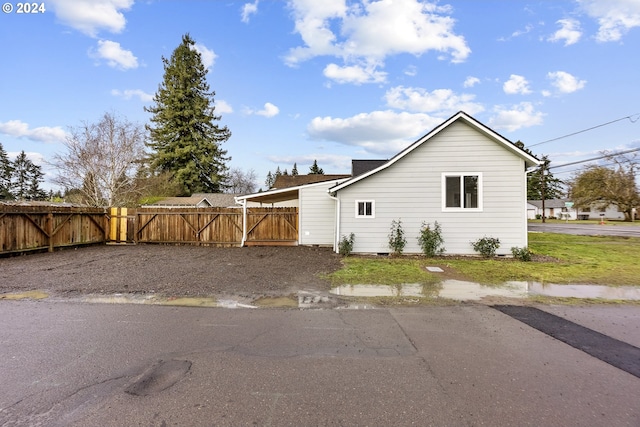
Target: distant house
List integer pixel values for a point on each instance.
(462, 174)
(558, 209)
(200, 200)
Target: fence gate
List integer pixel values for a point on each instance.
(272, 227)
(121, 225)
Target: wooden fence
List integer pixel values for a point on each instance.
(27, 228)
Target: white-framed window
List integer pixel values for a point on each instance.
(462, 191)
(365, 209)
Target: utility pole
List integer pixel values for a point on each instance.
(542, 186)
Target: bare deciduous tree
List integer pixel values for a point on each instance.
(240, 182)
(101, 160)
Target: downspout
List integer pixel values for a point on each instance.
(337, 237)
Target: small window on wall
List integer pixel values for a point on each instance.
(365, 209)
(461, 192)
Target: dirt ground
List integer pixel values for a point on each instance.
(170, 270)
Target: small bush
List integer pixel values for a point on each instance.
(430, 240)
(486, 246)
(346, 245)
(523, 254)
(397, 241)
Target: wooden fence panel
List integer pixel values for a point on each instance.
(200, 226)
(272, 226)
(28, 228)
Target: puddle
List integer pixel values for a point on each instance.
(25, 295)
(469, 291)
(174, 301)
(280, 302)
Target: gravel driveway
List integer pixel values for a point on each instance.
(170, 270)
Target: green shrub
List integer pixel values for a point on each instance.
(486, 246)
(397, 241)
(430, 240)
(346, 245)
(523, 254)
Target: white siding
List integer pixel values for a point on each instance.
(317, 215)
(410, 190)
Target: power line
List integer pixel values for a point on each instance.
(596, 158)
(631, 119)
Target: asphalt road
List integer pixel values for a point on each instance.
(586, 229)
(79, 364)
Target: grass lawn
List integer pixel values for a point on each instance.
(602, 260)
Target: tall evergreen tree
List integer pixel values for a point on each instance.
(26, 179)
(184, 137)
(294, 171)
(315, 169)
(6, 171)
(548, 186)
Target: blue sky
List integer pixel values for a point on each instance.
(331, 80)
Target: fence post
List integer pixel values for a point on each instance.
(50, 229)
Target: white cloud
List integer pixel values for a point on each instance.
(207, 55)
(223, 107)
(115, 55)
(518, 116)
(569, 31)
(20, 129)
(249, 9)
(565, 82)
(471, 81)
(369, 31)
(268, 111)
(411, 70)
(355, 74)
(91, 16)
(516, 85)
(130, 93)
(615, 17)
(379, 132)
(439, 101)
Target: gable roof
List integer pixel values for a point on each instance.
(549, 203)
(287, 181)
(460, 115)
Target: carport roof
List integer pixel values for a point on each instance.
(290, 193)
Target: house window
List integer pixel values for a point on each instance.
(462, 191)
(365, 209)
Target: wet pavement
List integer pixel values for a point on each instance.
(81, 364)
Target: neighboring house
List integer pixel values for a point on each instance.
(462, 174)
(553, 208)
(200, 200)
(557, 208)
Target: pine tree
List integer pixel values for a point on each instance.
(315, 170)
(270, 180)
(184, 137)
(26, 179)
(6, 171)
(294, 171)
(551, 187)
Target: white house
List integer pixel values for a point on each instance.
(558, 208)
(462, 174)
